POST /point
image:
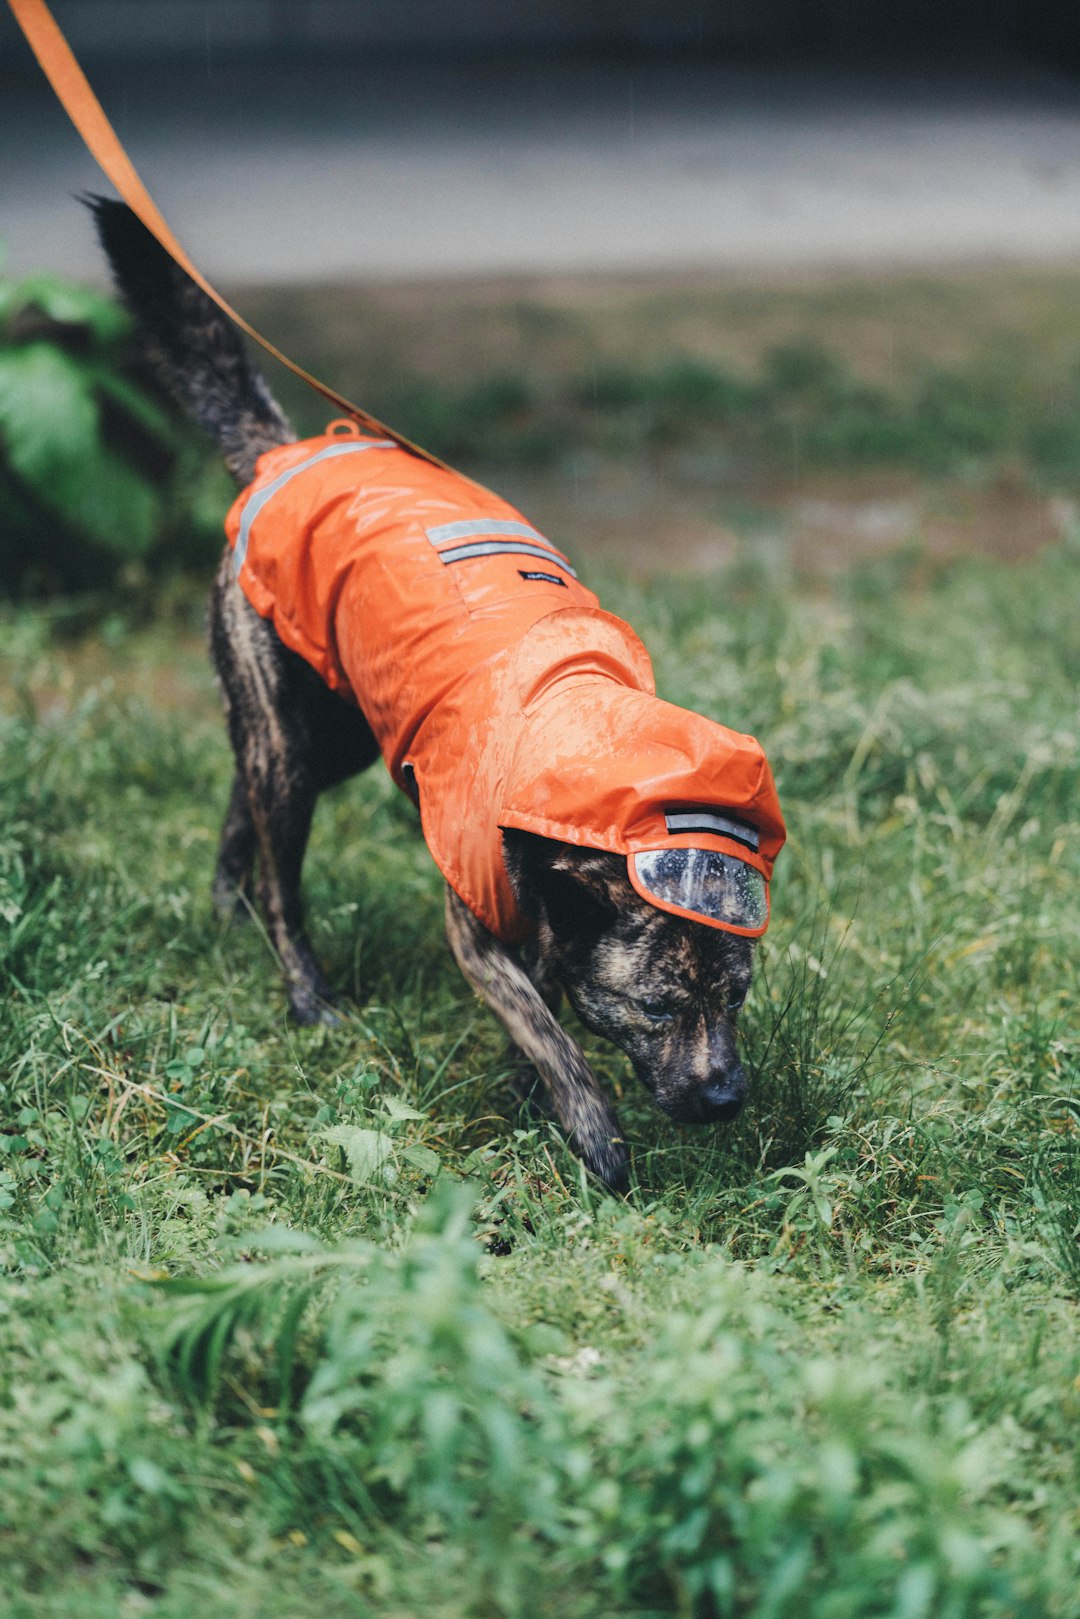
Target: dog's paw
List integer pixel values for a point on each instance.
(313, 1011)
(608, 1159)
(528, 1087)
(231, 902)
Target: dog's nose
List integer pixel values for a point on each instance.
(724, 1096)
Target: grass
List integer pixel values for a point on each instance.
(801, 408)
(294, 1318)
(962, 375)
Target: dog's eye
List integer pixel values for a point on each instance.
(656, 1011)
(737, 998)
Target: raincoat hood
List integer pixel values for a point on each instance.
(607, 767)
(501, 694)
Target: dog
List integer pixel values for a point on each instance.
(596, 842)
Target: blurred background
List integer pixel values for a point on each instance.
(307, 139)
(797, 274)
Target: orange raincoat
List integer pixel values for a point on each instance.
(501, 695)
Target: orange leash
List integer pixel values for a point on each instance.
(85, 111)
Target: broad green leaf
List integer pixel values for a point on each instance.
(398, 1109)
(73, 305)
(49, 434)
(110, 502)
(48, 415)
(422, 1158)
(370, 1154)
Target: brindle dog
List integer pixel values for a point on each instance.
(665, 990)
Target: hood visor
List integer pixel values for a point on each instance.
(704, 884)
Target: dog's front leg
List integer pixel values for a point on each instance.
(524, 1079)
(502, 983)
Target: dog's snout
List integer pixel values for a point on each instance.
(723, 1097)
(710, 1094)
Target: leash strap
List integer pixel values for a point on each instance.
(82, 106)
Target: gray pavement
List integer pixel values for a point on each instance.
(320, 171)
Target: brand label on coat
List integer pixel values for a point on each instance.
(548, 578)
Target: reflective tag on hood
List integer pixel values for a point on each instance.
(706, 884)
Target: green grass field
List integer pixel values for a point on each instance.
(298, 1321)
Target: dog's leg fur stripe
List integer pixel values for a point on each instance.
(236, 852)
(502, 983)
(271, 743)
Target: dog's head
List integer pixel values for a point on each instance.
(667, 991)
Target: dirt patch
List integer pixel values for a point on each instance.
(833, 522)
(627, 518)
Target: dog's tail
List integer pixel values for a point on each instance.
(198, 350)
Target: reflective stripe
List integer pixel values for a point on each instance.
(490, 548)
(260, 498)
(700, 821)
(482, 525)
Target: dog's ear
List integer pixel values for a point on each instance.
(578, 892)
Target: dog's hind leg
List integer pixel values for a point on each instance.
(351, 748)
(503, 984)
(232, 886)
(292, 737)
